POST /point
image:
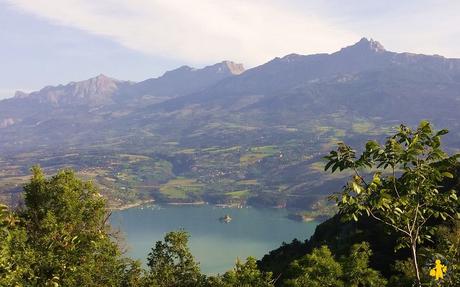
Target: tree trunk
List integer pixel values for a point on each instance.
(414, 258)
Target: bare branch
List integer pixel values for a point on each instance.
(415, 217)
(394, 181)
(360, 177)
(389, 223)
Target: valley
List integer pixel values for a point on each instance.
(222, 134)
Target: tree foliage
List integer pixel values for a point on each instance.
(320, 268)
(15, 254)
(172, 264)
(246, 274)
(404, 190)
(447, 249)
(62, 237)
(316, 270)
(357, 272)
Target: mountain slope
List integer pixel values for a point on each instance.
(223, 134)
(363, 78)
(179, 82)
(92, 92)
(67, 114)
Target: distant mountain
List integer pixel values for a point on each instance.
(364, 79)
(361, 81)
(92, 92)
(53, 102)
(58, 114)
(179, 82)
(103, 90)
(252, 135)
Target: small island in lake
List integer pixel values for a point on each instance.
(226, 218)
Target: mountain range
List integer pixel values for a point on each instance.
(222, 125)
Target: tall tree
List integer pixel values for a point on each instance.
(403, 190)
(172, 264)
(67, 228)
(246, 274)
(317, 269)
(357, 272)
(320, 268)
(16, 258)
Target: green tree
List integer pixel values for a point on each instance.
(447, 249)
(317, 269)
(15, 256)
(357, 272)
(320, 268)
(67, 229)
(172, 264)
(135, 275)
(405, 203)
(247, 275)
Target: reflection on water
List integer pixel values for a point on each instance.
(216, 245)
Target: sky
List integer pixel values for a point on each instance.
(51, 42)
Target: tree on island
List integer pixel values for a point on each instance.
(399, 184)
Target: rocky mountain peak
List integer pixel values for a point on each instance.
(364, 46)
(98, 84)
(371, 44)
(225, 67)
(96, 90)
(234, 68)
(20, 94)
(178, 71)
(103, 78)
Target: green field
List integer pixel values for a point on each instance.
(180, 188)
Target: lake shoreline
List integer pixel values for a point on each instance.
(292, 216)
(131, 205)
(253, 231)
(186, 203)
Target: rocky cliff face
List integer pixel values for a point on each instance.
(180, 82)
(92, 92)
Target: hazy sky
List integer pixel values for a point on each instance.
(48, 42)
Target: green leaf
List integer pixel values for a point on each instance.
(376, 179)
(334, 167)
(447, 174)
(443, 216)
(442, 132)
(423, 124)
(398, 210)
(356, 187)
(355, 218)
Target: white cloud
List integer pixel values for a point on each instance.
(199, 31)
(418, 26)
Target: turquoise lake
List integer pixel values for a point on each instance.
(216, 245)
